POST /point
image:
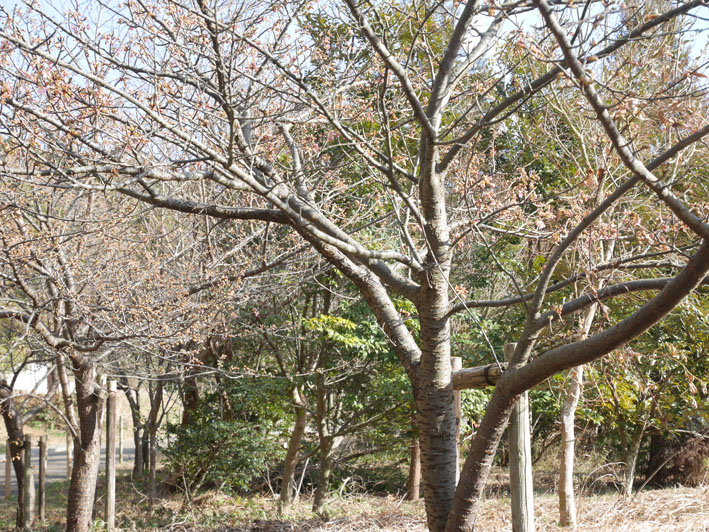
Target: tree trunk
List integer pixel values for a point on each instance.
(288, 485)
(145, 444)
(326, 418)
(134, 403)
(413, 486)
(190, 399)
(631, 460)
(138, 457)
(16, 437)
(436, 415)
(567, 503)
(90, 405)
(154, 419)
(328, 445)
(153, 456)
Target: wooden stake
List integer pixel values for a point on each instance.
(111, 456)
(8, 470)
(42, 502)
(520, 461)
(457, 365)
(29, 484)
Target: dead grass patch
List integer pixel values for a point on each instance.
(668, 510)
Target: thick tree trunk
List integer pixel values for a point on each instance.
(288, 485)
(16, 437)
(413, 486)
(436, 412)
(567, 502)
(82, 487)
(479, 460)
(433, 389)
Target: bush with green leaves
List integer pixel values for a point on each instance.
(232, 438)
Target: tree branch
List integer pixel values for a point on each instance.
(619, 142)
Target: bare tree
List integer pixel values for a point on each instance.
(372, 133)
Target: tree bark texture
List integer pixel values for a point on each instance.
(435, 406)
(413, 486)
(82, 487)
(16, 437)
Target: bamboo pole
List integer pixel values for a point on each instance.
(520, 461)
(111, 456)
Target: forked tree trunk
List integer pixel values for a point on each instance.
(567, 500)
(91, 401)
(16, 437)
(288, 485)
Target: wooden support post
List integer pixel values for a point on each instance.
(29, 484)
(520, 461)
(120, 439)
(8, 471)
(456, 365)
(42, 502)
(111, 456)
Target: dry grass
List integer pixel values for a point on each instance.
(672, 510)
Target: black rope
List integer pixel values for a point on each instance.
(486, 374)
